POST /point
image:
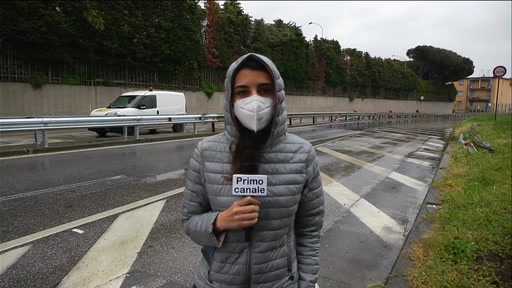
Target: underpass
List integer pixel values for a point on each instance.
(111, 216)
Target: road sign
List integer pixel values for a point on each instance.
(499, 71)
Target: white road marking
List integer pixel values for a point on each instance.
(427, 154)
(10, 257)
(379, 222)
(165, 176)
(70, 225)
(60, 188)
(78, 231)
(113, 254)
(423, 163)
(377, 169)
(434, 144)
(395, 156)
(430, 148)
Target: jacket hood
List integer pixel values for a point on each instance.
(279, 124)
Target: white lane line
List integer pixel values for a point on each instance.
(70, 225)
(113, 254)
(413, 183)
(165, 176)
(379, 222)
(427, 154)
(10, 257)
(387, 154)
(78, 231)
(60, 188)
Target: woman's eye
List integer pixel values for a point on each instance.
(266, 91)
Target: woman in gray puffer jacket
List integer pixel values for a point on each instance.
(263, 241)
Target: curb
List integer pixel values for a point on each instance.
(397, 278)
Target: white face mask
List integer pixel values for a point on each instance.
(254, 112)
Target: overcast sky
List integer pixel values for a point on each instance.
(478, 30)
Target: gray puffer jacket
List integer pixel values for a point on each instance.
(285, 245)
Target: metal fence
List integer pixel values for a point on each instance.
(40, 125)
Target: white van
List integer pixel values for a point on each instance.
(141, 103)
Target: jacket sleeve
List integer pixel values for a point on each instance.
(308, 224)
(197, 215)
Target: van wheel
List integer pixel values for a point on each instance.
(177, 128)
(152, 131)
(102, 132)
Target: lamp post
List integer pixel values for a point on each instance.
(401, 58)
(320, 27)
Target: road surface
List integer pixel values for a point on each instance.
(110, 217)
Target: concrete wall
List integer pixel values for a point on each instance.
(20, 99)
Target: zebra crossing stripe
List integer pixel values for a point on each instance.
(104, 265)
(411, 182)
(379, 222)
(10, 257)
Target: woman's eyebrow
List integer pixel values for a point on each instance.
(268, 84)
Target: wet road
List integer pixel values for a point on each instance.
(62, 214)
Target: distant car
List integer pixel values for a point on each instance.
(142, 103)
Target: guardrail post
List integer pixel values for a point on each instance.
(36, 137)
(290, 121)
(125, 132)
(45, 139)
(213, 127)
(314, 120)
(195, 128)
(136, 128)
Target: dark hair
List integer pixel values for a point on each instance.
(246, 154)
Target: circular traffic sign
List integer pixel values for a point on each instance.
(499, 71)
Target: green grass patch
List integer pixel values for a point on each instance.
(470, 244)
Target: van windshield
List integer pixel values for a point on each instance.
(128, 101)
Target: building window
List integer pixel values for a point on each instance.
(459, 103)
(459, 93)
(461, 82)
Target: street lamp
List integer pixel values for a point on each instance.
(320, 27)
(401, 58)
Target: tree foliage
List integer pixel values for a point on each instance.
(176, 38)
(437, 64)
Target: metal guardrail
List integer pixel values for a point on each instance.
(43, 124)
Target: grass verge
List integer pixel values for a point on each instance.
(470, 244)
